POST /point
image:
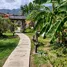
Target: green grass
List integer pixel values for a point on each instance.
(7, 45)
(56, 55)
(30, 36)
(38, 59)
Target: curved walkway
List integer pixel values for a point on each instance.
(21, 55)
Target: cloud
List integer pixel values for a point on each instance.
(13, 4)
(10, 1)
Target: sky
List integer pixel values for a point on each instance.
(12, 4)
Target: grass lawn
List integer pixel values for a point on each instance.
(53, 55)
(35, 60)
(7, 45)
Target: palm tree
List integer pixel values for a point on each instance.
(30, 7)
(24, 9)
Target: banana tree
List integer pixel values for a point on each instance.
(51, 22)
(59, 18)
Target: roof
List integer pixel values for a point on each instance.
(17, 17)
(2, 13)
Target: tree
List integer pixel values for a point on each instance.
(30, 7)
(27, 9)
(39, 1)
(24, 9)
(4, 25)
(52, 22)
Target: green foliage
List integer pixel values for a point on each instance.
(51, 23)
(32, 15)
(65, 51)
(60, 62)
(63, 6)
(55, 55)
(58, 55)
(39, 1)
(48, 22)
(55, 27)
(4, 25)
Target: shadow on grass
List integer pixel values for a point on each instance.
(8, 42)
(8, 37)
(4, 46)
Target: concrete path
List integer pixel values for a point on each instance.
(21, 55)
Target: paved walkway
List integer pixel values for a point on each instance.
(21, 55)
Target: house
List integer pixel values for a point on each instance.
(5, 15)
